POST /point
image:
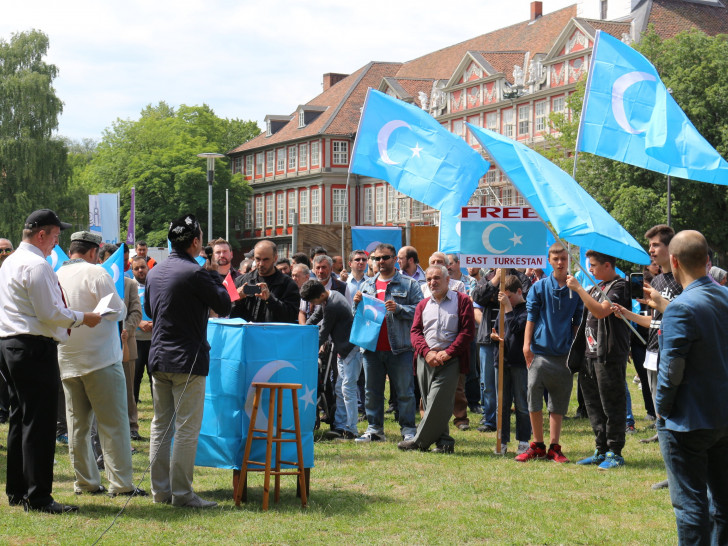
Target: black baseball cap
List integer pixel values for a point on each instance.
(44, 217)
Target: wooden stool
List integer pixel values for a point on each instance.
(274, 422)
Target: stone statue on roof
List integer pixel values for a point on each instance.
(423, 100)
(438, 100)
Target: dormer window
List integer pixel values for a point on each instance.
(307, 114)
(268, 129)
(301, 118)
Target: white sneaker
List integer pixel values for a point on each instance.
(408, 437)
(522, 447)
(503, 451)
(198, 502)
(370, 437)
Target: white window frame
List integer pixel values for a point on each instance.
(303, 156)
(292, 158)
(258, 211)
(507, 196)
(303, 207)
(340, 152)
(292, 207)
(249, 166)
(248, 219)
(259, 164)
(339, 210)
(301, 119)
(416, 210)
(281, 159)
(524, 119)
(316, 205)
(391, 204)
(368, 204)
(280, 209)
(403, 209)
(458, 127)
(315, 153)
(509, 125)
(540, 112)
(379, 204)
(491, 121)
(559, 105)
(269, 161)
(269, 211)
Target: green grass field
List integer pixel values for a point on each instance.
(362, 494)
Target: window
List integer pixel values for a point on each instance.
(292, 158)
(508, 124)
(291, 208)
(491, 121)
(281, 166)
(248, 220)
(341, 152)
(520, 201)
(379, 205)
(391, 204)
(338, 202)
(471, 136)
(491, 200)
(269, 210)
(416, 210)
(403, 209)
(269, 159)
(540, 112)
(238, 165)
(301, 119)
(458, 127)
(268, 128)
(491, 177)
(280, 209)
(559, 105)
(368, 204)
(507, 196)
(303, 210)
(303, 156)
(259, 211)
(524, 117)
(315, 153)
(249, 166)
(259, 164)
(316, 206)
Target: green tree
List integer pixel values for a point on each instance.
(695, 67)
(33, 168)
(157, 154)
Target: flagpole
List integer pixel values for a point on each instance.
(584, 102)
(669, 201)
(348, 174)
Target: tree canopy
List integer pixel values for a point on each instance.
(695, 67)
(157, 154)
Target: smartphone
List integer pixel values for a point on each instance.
(636, 288)
(251, 289)
(208, 252)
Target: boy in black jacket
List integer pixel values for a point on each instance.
(515, 372)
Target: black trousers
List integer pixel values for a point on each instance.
(30, 365)
(606, 402)
(4, 398)
(142, 363)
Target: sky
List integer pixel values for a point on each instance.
(245, 59)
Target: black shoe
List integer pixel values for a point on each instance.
(649, 440)
(476, 409)
(486, 428)
(52, 508)
(445, 448)
(3, 418)
(136, 492)
(136, 436)
(15, 501)
(346, 435)
(334, 434)
(409, 445)
(99, 491)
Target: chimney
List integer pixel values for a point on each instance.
(332, 78)
(536, 10)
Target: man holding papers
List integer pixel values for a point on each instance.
(92, 373)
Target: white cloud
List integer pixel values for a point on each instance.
(245, 59)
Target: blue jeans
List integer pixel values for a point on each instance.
(698, 478)
(347, 414)
(488, 385)
(515, 390)
(400, 370)
(630, 417)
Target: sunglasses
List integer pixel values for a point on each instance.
(359, 260)
(383, 258)
(5, 250)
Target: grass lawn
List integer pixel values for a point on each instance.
(377, 494)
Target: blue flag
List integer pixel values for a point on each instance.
(628, 115)
(57, 257)
(449, 232)
(557, 198)
(368, 320)
(367, 238)
(115, 267)
(408, 148)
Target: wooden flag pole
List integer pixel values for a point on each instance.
(501, 350)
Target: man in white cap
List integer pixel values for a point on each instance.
(33, 319)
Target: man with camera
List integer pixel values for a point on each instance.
(266, 294)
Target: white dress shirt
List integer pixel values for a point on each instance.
(30, 298)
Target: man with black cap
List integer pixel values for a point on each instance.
(33, 320)
(92, 374)
(179, 296)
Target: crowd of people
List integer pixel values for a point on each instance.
(438, 347)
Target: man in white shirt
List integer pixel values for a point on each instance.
(93, 376)
(33, 319)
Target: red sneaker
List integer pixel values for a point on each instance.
(533, 452)
(554, 454)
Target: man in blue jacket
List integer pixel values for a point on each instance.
(179, 297)
(394, 353)
(691, 403)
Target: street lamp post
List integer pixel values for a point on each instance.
(211, 157)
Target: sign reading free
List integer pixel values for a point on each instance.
(502, 237)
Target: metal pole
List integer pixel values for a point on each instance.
(669, 201)
(227, 214)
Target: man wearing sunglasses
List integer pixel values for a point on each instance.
(393, 356)
(6, 249)
(358, 267)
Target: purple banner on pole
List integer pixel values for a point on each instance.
(130, 235)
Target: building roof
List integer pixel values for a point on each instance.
(672, 16)
(342, 100)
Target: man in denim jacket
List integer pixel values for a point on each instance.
(393, 356)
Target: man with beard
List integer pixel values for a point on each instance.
(222, 254)
(266, 294)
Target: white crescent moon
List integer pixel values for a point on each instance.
(486, 238)
(261, 376)
(619, 87)
(371, 246)
(373, 310)
(383, 138)
(54, 259)
(115, 269)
